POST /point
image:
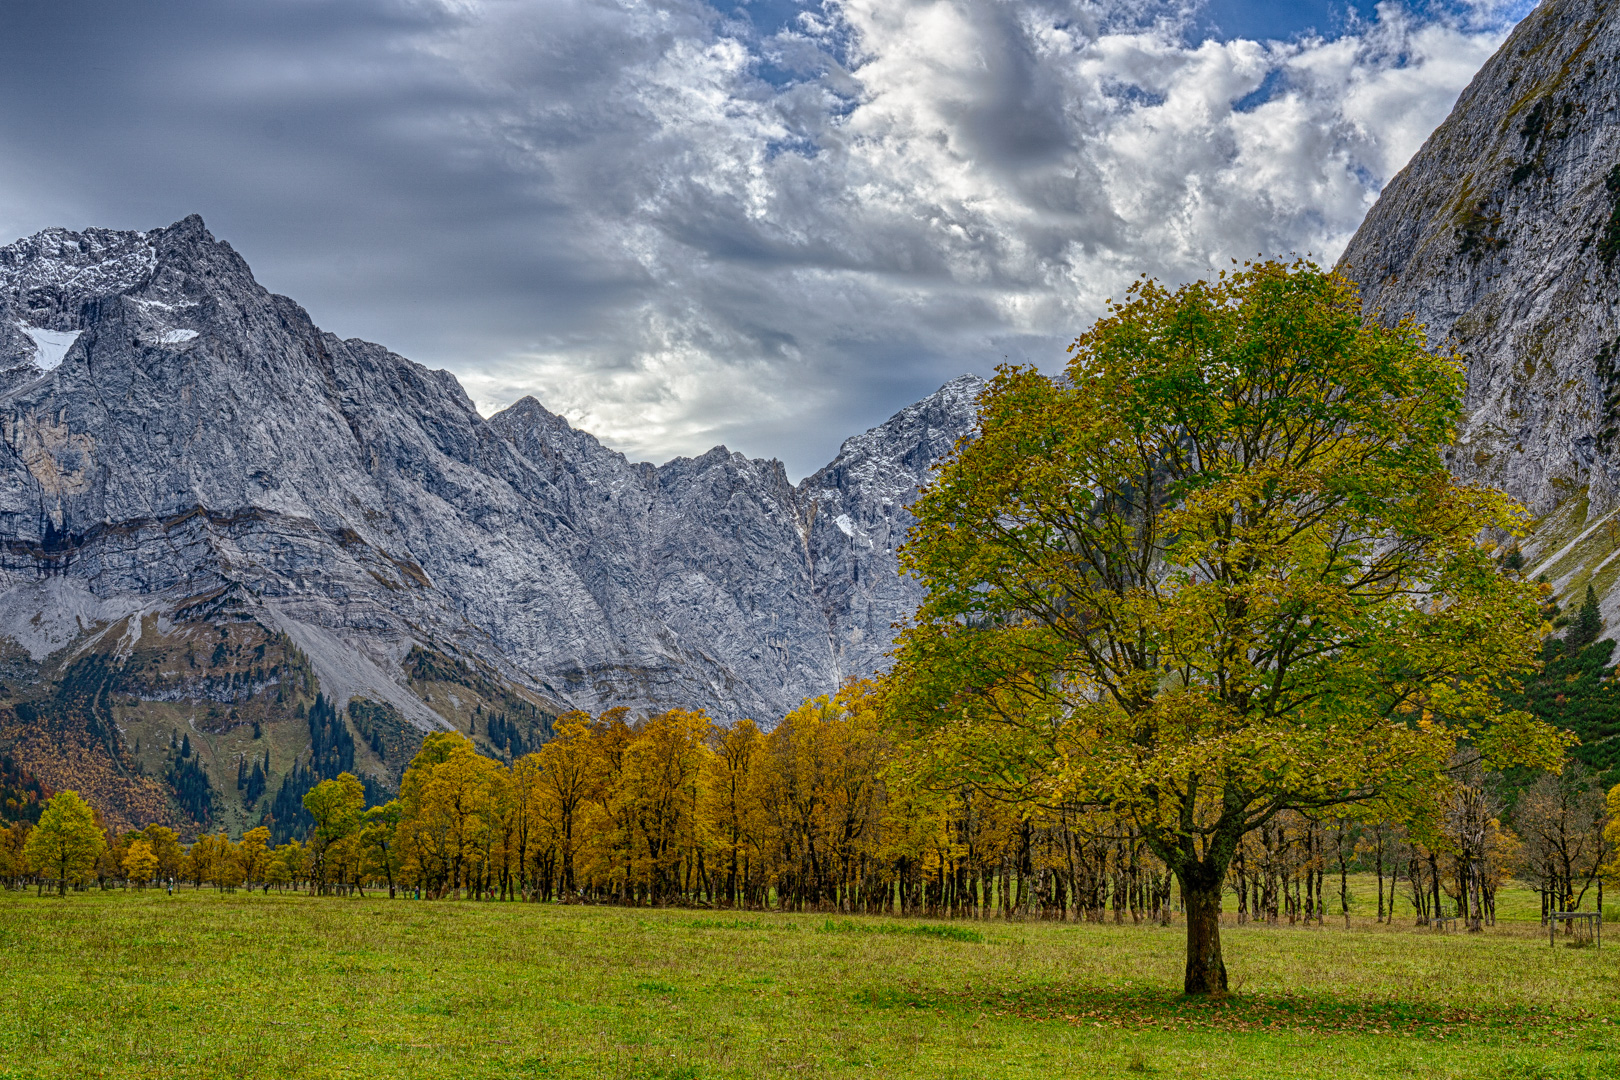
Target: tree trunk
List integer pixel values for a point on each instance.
(1378, 855)
(1206, 972)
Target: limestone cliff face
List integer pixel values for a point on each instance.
(1503, 234)
(856, 518)
(175, 435)
(715, 579)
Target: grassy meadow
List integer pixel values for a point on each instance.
(205, 985)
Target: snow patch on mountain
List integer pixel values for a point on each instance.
(50, 346)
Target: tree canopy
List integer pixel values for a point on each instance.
(336, 806)
(1216, 571)
(66, 841)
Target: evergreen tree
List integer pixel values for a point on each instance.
(189, 783)
(1588, 623)
(287, 818)
(1576, 691)
(255, 784)
(22, 796)
(331, 746)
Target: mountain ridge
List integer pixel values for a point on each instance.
(1501, 237)
(204, 473)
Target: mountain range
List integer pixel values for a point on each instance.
(213, 514)
(234, 548)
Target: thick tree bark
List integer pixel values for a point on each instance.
(1206, 971)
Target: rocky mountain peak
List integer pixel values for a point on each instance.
(47, 277)
(921, 434)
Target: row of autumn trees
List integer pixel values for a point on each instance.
(824, 812)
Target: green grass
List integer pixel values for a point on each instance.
(126, 984)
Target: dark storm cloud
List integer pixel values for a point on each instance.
(326, 141)
(767, 223)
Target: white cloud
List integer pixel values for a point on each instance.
(678, 229)
(971, 183)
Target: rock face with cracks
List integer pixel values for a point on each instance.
(1503, 236)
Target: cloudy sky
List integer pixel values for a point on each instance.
(768, 223)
